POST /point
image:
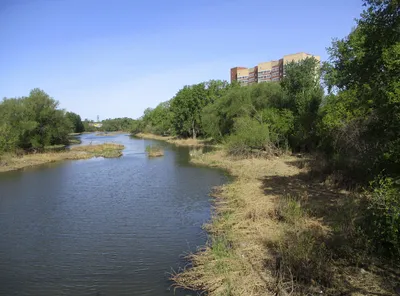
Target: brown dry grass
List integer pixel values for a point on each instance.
(11, 162)
(268, 236)
(154, 151)
(106, 150)
(177, 141)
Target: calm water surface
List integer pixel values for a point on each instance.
(102, 226)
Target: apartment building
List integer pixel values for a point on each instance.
(240, 74)
(267, 71)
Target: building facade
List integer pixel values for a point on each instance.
(267, 71)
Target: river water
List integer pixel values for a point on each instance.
(103, 226)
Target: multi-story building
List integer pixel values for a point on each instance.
(253, 75)
(240, 74)
(267, 71)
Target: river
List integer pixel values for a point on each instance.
(103, 226)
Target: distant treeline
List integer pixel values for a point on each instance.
(34, 122)
(110, 125)
(355, 126)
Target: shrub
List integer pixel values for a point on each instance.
(248, 134)
(303, 255)
(382, 219)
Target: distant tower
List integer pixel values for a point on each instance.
(98, 118)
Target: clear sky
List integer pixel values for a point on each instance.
(114, 58)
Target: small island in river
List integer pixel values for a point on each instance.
(11, 162)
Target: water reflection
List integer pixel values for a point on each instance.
(102, 226)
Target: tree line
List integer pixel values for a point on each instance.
(355, 124)
(112, 125)
(265, 116)
(34, 122)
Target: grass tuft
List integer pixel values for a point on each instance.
(154, 151)
(106, 150)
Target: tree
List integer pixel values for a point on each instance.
(303, 96)
(117, 124)
(76, 122)
(32, 122)
(365, 69)
(188, 104)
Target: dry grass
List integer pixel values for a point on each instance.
(177, 141)
(106, 150)
(270, 235)
(11, 162)
(109, 134)
(154, 151)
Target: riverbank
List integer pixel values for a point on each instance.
(177, 141)
(277, 230)
(11, 162)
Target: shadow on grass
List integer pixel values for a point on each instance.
(329, 253)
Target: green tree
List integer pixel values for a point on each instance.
(117, 124)
(158, 120)
(188, 104)
(32, 122)
(52, 127)
(76, 122)
(365, 69)
(303, 96)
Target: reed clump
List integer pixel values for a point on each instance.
(154, 151)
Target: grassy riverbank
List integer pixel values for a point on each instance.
(11, 162)
(278, 231)
(177, 141)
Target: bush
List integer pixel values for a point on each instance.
(248, 134)
(303, 255)
(382, 219)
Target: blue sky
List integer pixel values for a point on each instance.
(115, 58)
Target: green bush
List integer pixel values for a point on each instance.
(382, 219)
(248, 134)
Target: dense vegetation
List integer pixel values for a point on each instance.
(110, 125)
(355, 126)
(261, 116)
(117, 124)
(77, 124)
(34, 122)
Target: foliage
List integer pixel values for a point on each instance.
(88, 127)
(76, 122)
(303, 96)
(157, 121)
(382, 220)
(182, 115)
(188, 104)
(32, 122)
(117, 124)
(248, 134)
(365, 70)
